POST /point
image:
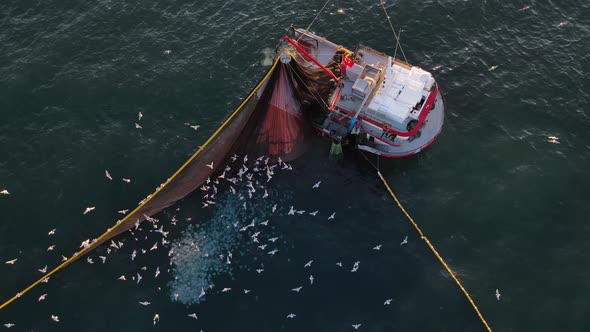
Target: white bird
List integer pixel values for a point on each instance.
(145, 303)
(387, 302)
(43, 270)
(167, 52)
(498, 295)
(123, 211)
(377, 247)
(404, 241)
(210, 165)
(246, 291)
(103, 258)
(55, 318)
(195, 127)
(316, 185)
(51, 232)
(139, 116)
(274, 208)
(156, 319)
(291, 211)
(225, 290)
(154, 247)
(11, 262)
(297, 289)
(273, 239)
(4, 192)
(127, 180)
(291, 315)
(193, 315)
(262, 246)
(492, 68)
(108, 175)
(356, 326)
(89, 209)
(339, 264)
(264, 223)
(554, 141)
(9, 325)
(51, 247)
(308, 264)
(122, 278)
(89, 260)
(42, 297)
(259, 270)
(332, 216)
(552, 137)
(265, 194)
(157, 271)
(202, 292)
(137, 126)
(139, 278)
(314, 213)
(310, 279)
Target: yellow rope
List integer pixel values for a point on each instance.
(110, 230)
(431, 246)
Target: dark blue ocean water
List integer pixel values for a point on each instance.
(507, 208)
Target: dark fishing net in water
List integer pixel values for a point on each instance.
(269, 122)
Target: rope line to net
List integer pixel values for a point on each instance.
(110, 230)
(430, 245)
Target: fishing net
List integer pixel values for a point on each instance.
(269, 122)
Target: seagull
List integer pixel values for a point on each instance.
(314, 213)
(265, 194)
(317, 185)
(387, 302)
(498, 295)
(157, 271)
(273, 239)
(154, 247)
(291, 316)
(137, 126)
(123, 211)
(167, 52)
(310, 279)
(8, 325)
(89, 260)
(492, 68)
(4, 192)
(272, 252)
(127, 180)
(103, 258)
(51, 247)
(88, 209)
(553, 137)
(264, 223)
(11, 262)
(51, 232)
(355, 267)
(356, 326)
(195, 127)
(108, 175)
(262, 246)
(139, 278)
(404, 241)
(43, 270)
(42, 297)
(339, 264)
(139, 116)
(308, 264)
(193, 315)
(55, 318)
(225, 290)
(274, 208)
(297, 289)
(554, 141)
(156, 319)
(332, 216)
(246, 291)
(377, 247)
(145, 303)
(121, 278)
(210, 165)
(291, 211)
(259, 270)
(202, 292)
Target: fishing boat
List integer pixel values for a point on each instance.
(373, 101)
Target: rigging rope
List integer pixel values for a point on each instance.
(397, 36)
(315, 18)
(430, 245)
(121, 222)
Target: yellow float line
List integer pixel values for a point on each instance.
(431, 246)
(122, 221)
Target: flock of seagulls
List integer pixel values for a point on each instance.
(239, 178)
